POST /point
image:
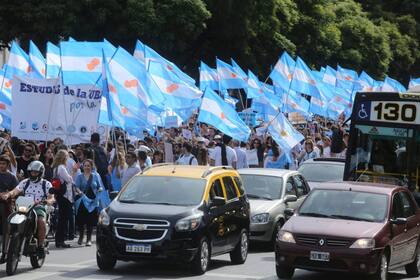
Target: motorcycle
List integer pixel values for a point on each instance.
(22, 235)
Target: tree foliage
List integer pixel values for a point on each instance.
(379, 36)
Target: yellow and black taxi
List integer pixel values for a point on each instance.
(182, 213)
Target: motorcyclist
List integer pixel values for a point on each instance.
(39, 189)
(8, 182)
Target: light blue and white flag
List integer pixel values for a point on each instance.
(228, 77)
(37, 62)
(391, 85)
(282, 73)
(81, 62)
(208, 77)
(414, 82)
(53, 61)
(214, 111)
(152, 55)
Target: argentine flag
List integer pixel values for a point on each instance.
(229, 78)
(208, 77)
(282, 73)
(391, 85)
(53, 61)
(216, 112)
(81, 62)
(37, 61)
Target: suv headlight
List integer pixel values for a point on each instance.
(285, 236)
(104, 219)
(363, 243)
(260, 218)
(189, 223)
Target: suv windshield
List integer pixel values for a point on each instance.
(163, 190)
(322, 172)
(347, 205)
(262, 187)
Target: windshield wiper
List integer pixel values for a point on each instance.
(351, 218)
(258, 197)
(313, 214)
(159, 203)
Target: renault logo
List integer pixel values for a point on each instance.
(140, 227)
(321, 242)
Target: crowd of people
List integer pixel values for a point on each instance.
(83, 175)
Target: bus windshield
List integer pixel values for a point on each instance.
(383, 152)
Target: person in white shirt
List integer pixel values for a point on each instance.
(187, 158)
(131, 169)
(64, 200)
(242, 161)
(327, 147)
(223, 154)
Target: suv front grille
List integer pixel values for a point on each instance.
(140, 230)
(329, 242)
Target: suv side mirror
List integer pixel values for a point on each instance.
(288, 212)
(217, 201)
(290, 198)
(399, 221)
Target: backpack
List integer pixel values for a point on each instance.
(59, 188)
(101, 160)
(44, 187)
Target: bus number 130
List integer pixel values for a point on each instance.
(388, 111)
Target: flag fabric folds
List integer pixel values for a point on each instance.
(37, 61)
(214, 111)
(81, 62)
(391, 85)
(53, 61)
(283, 71)
(229, 78)
(208, 77)
(414, 82)
(303, 79)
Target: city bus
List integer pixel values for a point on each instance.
(384, 144)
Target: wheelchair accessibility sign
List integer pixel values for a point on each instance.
(363, 111)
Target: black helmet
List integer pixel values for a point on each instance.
(36, 166)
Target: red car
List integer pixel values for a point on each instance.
(352, 227)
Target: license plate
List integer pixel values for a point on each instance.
(320, 256)
(138, 248)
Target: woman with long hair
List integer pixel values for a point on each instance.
(47, 158)
(64, 197)
(87, 205)
(116, 169)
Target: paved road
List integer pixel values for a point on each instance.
(79, 263)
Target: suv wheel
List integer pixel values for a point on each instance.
(201, 260)
(382, 273)
(284, 272)
(105, 262)
(413, 269)
(240, 253)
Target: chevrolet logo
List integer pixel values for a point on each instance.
(321, 242)
(140, 227)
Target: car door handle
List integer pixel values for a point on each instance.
(405, 230)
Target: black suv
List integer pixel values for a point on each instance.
(182, 213)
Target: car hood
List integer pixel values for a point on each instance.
(259, 206)
(149, 211)
(313, 184)
(332, 227)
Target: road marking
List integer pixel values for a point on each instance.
(236, 276)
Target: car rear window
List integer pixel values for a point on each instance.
(347, 205)
(262, 186)
(163, 190)
(322, 172)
